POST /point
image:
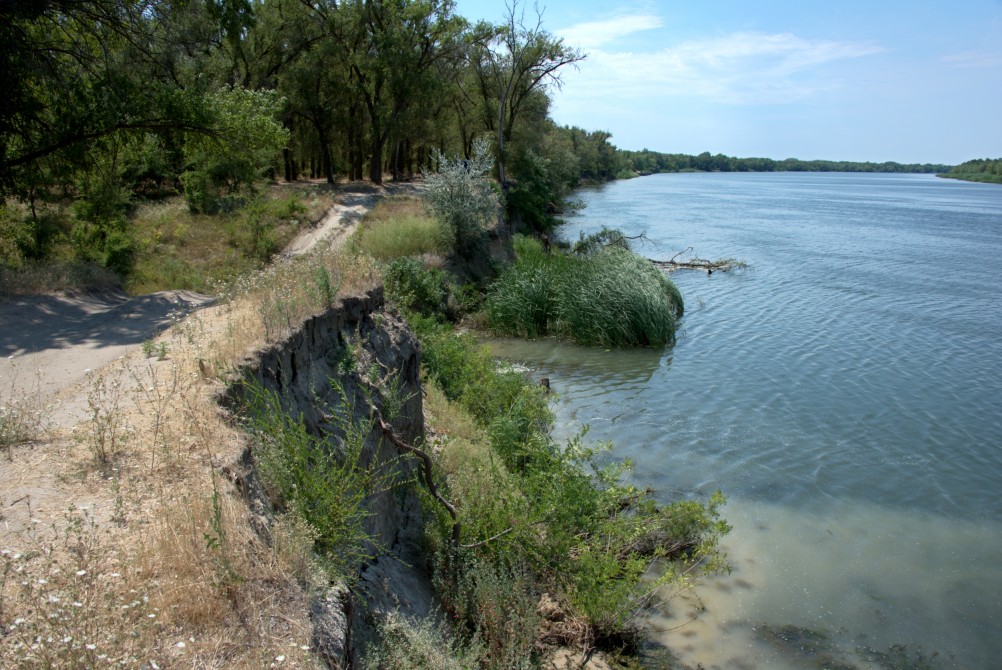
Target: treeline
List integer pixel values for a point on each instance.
(984, 170)
(649, 162)
(109, 101)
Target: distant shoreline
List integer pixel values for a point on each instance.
(980, 178)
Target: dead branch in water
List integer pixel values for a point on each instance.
(721, 265)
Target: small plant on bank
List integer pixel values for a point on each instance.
(418, 646)
(318, 479)
(158, 349)
(414, 288)
(22, 412)
(105, 433)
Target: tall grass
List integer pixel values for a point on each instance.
(399, 227)
(610, 297)
(176, 249)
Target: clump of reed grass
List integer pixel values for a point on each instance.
(606, 297)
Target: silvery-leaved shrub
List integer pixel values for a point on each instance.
(462, 195)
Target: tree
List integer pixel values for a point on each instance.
(515, 60)
(78, 71)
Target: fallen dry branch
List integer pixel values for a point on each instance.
(720, 265)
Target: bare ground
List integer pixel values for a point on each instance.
(114, 515)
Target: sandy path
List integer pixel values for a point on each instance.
(49, 343)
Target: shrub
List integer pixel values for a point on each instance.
(414, 288)
(609, 297)
(417, 645)
(319, 480)
(524, 500)
(463, 197)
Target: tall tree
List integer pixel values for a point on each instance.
(404, 40)
(77, 71)
(515, 60)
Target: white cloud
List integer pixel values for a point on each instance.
(974, 59)
(593, 34)
(741, 68)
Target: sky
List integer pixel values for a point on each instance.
(874, 80)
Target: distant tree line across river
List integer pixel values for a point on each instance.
(649, 162)
(981, 169)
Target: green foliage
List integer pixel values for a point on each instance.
(245, 141)
(534, 197)
(462, 196)
(314, 477)
(606, 297)
(414, 288)
(984, 170)
(254, 227)
(17, 236)
(648, 162)
(540, 517)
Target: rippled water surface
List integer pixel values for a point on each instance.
(845, 392)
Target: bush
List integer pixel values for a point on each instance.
(538, 517)
(316, 479)
(414, 288)
(418, 646)
(609, 297)
(463, 197)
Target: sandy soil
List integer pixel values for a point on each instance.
(53, 347)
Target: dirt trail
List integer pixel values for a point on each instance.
(50, 343)
(54, 348)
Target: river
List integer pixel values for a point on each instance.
(844, 390)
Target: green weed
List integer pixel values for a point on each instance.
(321, 480)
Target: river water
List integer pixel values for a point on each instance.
(844, 391)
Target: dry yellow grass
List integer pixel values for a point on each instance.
(144, 554)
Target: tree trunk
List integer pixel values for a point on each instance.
(287, 160)
(376, 159)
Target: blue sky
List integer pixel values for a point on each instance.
(879, 80)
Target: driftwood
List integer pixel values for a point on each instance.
(721, 265)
